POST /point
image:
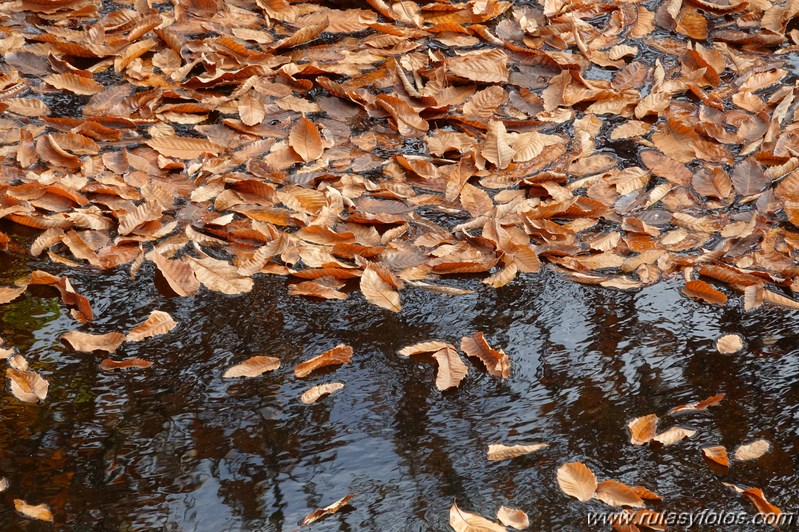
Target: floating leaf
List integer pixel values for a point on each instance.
(128, 363)
(252, 367)
(340, 354)
(314, 394)
(575, 479)
(41, 512)
(158, 322)
(219, 276)
(673, 435)
(702, 290)
(451, 369)
(643, 429)
(704, 404)
(498, 451)
(752, 451)
(717, 454)
(615, 493)
(729, 344)
(513, 517)
(378, 291)
(27, 385)
(496, 361)
(316, 515)
(87, 343)
(470, 522)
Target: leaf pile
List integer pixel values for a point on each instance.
(396, 143)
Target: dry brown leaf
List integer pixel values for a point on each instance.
(704, 404)
(496, 361)
(87, 343)
(340, 354)
(183, 147)
(306, 140)
(379, 292)
(423, 347)
(702, 290)
(315, 289)
(41, 512)
(74, 83)
(463, 521)
(158, 322)
(615, 493)
(486, 67)
(495, 146)
(729, 344)
(314, 394)
(451, 369)
(252, 367)
(673, 435)
(10, 293)
(498, 451)
(134, 362)
(178, 274)
(643, 429)
(27, 385)
(751, 451)
(717, 454)
(576, 480)
(513, 517)
(219, 275)
(316, 515)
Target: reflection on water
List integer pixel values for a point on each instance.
(175, 447)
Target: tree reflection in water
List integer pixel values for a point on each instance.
(175, 447)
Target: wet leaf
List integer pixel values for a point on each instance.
(702, 290)
(128, 363)
(717, 454)
(513, 518)
(704, 404)
(27, 385)
(378, 291)
(340, 354)
(316, 515)
(87, 343)
(252, 367)
(615, 493)
(451, 369)
(758, 498)
(496, 361)
(317, 392)
(219, 276)
(752, 451)
(498, 451)
(9, 293)
(463, 521)
(41, 512)
(673, 435)
(576, 480)
(643, 429)
(158, 322)
(729, 344)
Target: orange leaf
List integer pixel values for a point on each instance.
(702, 290)
(575, 479)
(252, 367)
(341, 354)
(496, 361)
(306, 140)
(135, 362)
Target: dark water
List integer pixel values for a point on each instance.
(176, 447)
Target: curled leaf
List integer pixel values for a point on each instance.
(498, 451)
(128, 363)
(317, 392)
(158, 322)
(340, 354)
(252, 367)
(316, 515)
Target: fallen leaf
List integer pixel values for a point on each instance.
(513, 517)
(718, 454)
(183, 147)
(340, 354)
(643, 429)
(498, 451)
(729, 344)
(134, 362)
(314, 394)
(702, 290)
(378, 291)
(220, 276)
(27, 385)
(615, 493)
(252, 367)
(306, 140)
(316, 515)
(751, 451)
(673, 435)
(158, 322)
(704, 404)
(451, 369)
(41, 512)
(87, 343)
(463, 521)
(756, 495)
(496, 361)
(575, 479)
